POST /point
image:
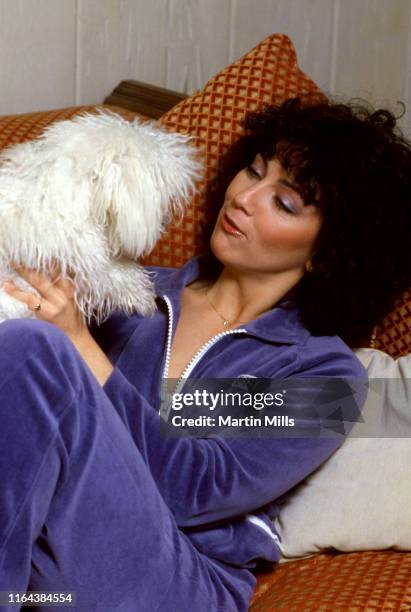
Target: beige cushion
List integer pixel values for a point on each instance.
(360, 499)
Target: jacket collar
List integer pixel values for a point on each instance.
(280, 325)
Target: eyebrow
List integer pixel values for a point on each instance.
(292, 186)
(285, 182)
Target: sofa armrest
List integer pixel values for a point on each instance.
(148, 100)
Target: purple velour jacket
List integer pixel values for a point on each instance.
(223, 491)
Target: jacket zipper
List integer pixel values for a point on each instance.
(165, 408)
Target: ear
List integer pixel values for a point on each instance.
(146, 175)
(309, 266)
(115, 205)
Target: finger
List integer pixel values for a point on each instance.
(52, 289)
(38, 280)
(29, 299)
(54, 271)
(67, 286)
(57, 291)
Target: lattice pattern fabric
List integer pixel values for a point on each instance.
(19, 128)
(268, 74)
(354, 582)
(393, 335)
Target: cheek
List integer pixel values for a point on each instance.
(294, 236)
(216, 229)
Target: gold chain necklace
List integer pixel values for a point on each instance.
(226, 322)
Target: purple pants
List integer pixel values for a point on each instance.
(79, 509)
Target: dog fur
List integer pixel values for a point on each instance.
(92, 195)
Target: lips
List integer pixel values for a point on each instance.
(230, 226)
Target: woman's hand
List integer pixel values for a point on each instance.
(56, 305)
(56, 302)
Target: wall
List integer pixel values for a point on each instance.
(60, 52)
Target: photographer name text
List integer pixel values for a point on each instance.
(230, 421)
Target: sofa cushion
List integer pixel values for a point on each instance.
(27, 126)
(375, 581)
(360, 499)
(393, 334)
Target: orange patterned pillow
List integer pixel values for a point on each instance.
(393, 335)
(268, 74)
(19, 128)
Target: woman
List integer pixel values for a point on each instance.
(94, 499)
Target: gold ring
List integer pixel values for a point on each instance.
(37, 307)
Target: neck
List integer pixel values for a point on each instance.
(240, 299)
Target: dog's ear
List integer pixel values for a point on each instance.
(146, 175)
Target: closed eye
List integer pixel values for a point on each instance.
(252, 171)
(281, 206)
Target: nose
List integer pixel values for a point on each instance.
(244, 199)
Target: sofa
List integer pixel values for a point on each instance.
(329, 579)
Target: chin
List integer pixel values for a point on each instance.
(228, 250)
(225, 256)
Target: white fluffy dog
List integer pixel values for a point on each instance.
(91, 195)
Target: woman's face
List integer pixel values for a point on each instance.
(263, 226)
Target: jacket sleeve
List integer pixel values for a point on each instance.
(210, 479)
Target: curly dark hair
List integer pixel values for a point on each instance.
(354, 164)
